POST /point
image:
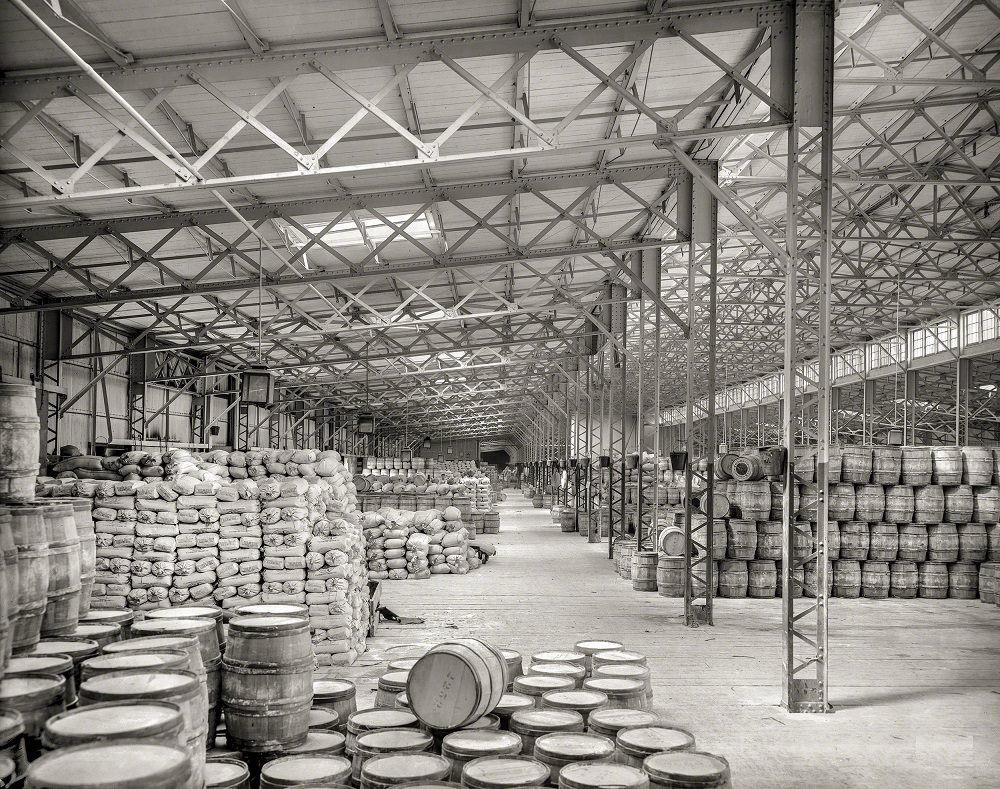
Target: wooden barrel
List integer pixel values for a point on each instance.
(223, 773)
(627, 671)
(608, 722)
(509, 704)
(464, 747)
(534, 686)
(591, 647)
(928, 504)
(798, 581)
(136, 719)
(215, 614)
(556, 511)
(986, 504)
(514, 662)
(733, 578)
(625, 560)
(917, 467)
(670, 541)
(118, 764)
(9, 588)
(37, 697)
(912, 543)
(856, 464)
(363, 721)
(637, 744)
(875, 580)
(686, 769)
(958, 503)
(644, 571)
(769, 540)
(390, 770)
(741, 539)
(19, 442)
(83, 529)
(322, 719)
(977, 465)
(869, 503)
(972, 544)
(582, 701)
(62, 665)
(456, 682)
(887, 465)
(754, 499)
(268, 609)
(389, 685)
(267, 682)
(567, 520)
(762, 578)
(805, 503)
(670, 574)
(123, 661)
(747, 469)
(933, 580)
(500, 772)
(854, 540)
(899, 504)
(942, 542)
(28, 530)
(12, 738)
(622, 692)
(963, 581)
(720, 539)
(841, 502)
(777, 500)
(562, 748)
(947, 464)
(568, 670)
(810, 580)
(383, 741)
(904, 581)
(883, 542)
(988, 581)
(847, 578)
(832, 539)
(103, 633)
(531, 724)
(993, 542)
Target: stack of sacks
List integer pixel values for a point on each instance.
(404, 545)
(373, 525)
(394, 536)
(115, 518)
(455, 543)
(286, 530)
(481, 493)
(154, 550)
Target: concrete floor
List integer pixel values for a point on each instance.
(915, 683)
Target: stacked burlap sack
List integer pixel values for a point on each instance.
(115, 518)
(406, 545)
(286, 529)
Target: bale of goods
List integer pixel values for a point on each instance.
(644, 571)
(847, 578)
(559, 749)
(963, 581)
(883, 542)
(267, 683)
(869, 503)
(899, 504)
(933, 578)
(438, 686)
(679, 769)
(733, 578)
(122, 764)
(741, 539)
(762, 578)
(917, 466)
(947, 465)
(635, 745)
(854, 540)
(904, 580)
(875, 580)
(942, 542)
(19, 441)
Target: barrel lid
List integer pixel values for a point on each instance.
(487, 722)
(389, 740)
(178, 625)
(220, 772)
(480, 742)
(620, 719)
(615, 686)
(31, 685)
(272, 609)
(186, 612)
(124, 764)
(510, 654)
(318, 741)
(512, 702)
(646, 740)
(537, 684)
(621, 670)
(152, 643)
(402, 700)
(403, 664)
(109, 615)
(11, 724)
(381, 719)
(128, 718)
(692, 766)
(400, 767)
(508, 770)
(334, 689)
(307, 767)
(534, 721)
(574, 745)
(138, 684)
(590, 647)
(168, 658)
(575, 699)
(557, 669)
(620, 656)
(558, 656)
(323, 718)
(39, 664)
(591, 774)
(76, 647)
(393, 680)
(97, 629)
(266, 624)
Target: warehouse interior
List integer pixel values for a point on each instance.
(637, 321)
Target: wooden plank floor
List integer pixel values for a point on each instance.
(915, 683)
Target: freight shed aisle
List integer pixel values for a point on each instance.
(915, 683)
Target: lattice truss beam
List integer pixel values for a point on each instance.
(424, 201)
